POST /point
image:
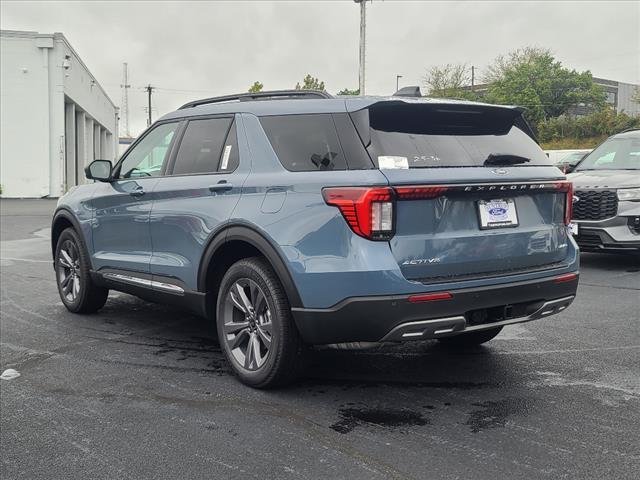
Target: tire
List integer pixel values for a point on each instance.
(71, 262)
(471, 339)
(256, 330)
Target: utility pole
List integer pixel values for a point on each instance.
(363, 28)
(149, 89)
(398, 77)
(473, 78)
(125, 99)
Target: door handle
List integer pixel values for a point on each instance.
(138, 192)
(221, 186)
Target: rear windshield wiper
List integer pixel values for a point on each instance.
(492, 160)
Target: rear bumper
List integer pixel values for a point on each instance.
(395, 318)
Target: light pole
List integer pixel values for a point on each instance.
(398, 77)
(363, 28)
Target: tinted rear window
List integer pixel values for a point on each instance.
(305, 142)
(421, 136)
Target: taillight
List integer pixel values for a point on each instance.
(368, 211)
(566, 187)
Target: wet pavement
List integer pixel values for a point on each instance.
(141, 391)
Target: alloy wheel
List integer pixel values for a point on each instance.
(247, 324)
(69, 274)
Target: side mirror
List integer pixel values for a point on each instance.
(99, 170)
(570, 168)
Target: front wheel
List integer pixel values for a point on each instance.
(471, 338)
(255, 326)
(77, 291)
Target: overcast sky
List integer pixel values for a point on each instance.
(196, 49)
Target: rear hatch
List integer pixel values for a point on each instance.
(475, 194)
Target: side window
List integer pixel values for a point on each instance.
(148, 157)
(305, 143)
(201, 146)
(230, 157)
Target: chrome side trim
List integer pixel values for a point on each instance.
(169, 287)
(145, 282)
(128, 279)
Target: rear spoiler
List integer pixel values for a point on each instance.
(443, 118)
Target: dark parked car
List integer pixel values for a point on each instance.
(606, 209)
(294, 218)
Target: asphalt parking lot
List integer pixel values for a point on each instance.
(141, 391)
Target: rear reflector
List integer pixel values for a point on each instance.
(566, 278)
(420, 192)
(430, 297)
(368, 211)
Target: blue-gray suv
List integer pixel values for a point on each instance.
(294, 218)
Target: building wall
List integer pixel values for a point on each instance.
(49, 101)
(626, 91)
(24, 136)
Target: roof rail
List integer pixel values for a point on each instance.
(269, 95)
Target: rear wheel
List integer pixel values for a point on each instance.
(472, 338)
(255, 327)
(77, 291)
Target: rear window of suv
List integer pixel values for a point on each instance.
(427, 136)
(305, 143)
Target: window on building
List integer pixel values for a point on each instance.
(201, 146)
(147, 158)
(305, 142)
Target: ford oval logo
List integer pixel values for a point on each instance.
(497, 211)
(499, 171)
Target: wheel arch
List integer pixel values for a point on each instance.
(253, 241)
(62, 220)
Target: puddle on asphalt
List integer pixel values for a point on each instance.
(354, 417)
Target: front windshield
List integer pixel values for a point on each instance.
(614, 154)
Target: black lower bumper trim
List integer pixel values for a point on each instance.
(596, 240)
(372, 319)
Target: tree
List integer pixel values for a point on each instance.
(256, 87)
(448, 81)
(532, 78)
(310, 83)
(346, 91)
(502, 63)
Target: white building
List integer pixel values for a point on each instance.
(56, 118)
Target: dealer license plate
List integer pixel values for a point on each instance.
(498, 213)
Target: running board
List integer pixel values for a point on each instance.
(449, 326)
